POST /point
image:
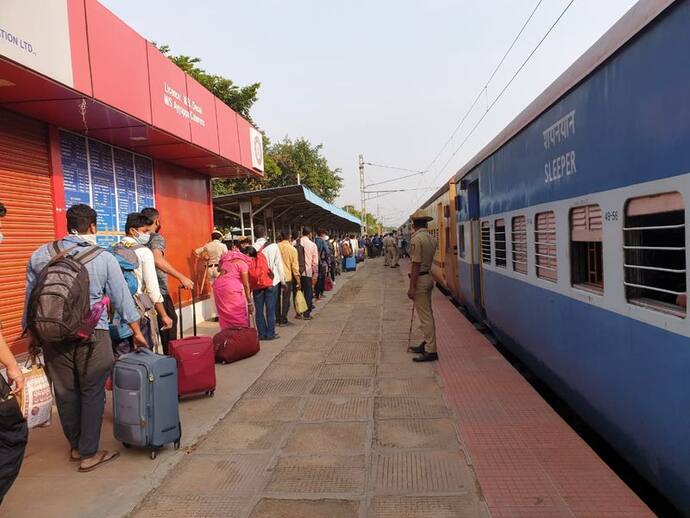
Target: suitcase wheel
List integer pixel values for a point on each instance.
(126, 445)
(210, 393)
(176, 444)
(154, 454)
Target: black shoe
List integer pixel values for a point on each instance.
(426, 357)
(417, 349)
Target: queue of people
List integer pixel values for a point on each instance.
(125, 289)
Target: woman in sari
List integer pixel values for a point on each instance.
(231, 290)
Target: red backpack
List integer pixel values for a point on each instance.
(260, 275)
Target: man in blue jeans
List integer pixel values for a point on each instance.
(265, 299)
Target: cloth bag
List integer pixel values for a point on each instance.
(300, 303)
(328, 285)
(36, 400)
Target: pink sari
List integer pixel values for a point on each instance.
(228, 290)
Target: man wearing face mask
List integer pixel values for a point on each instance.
(79, 370)
(148, 291)
(13, 430)
(163, 269)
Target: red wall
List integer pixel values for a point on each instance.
(182, 197)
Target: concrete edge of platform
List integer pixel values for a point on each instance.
(117, 489)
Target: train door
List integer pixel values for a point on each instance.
(476, 248)
(452, 245)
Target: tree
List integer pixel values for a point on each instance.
(373, 225)
(285, 161)
(239, 98)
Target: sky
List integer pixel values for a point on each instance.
(388, 79)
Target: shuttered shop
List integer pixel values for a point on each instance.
(26, 192)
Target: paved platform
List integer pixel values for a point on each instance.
(334, 420)
(342, 424)
(49, 484)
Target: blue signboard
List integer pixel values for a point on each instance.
(144, 170)
(113, 181)
(75, 167)
(126, 186)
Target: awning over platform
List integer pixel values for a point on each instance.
(281, 208)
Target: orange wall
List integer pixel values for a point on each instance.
(183, 199)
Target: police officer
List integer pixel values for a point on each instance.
(211, 252)
(395, 251)
(422, 250)
(387, 252)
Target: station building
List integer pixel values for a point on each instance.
(91, 112)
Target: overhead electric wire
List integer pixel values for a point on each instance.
(484, 88)
(500, 94)
(394, 167)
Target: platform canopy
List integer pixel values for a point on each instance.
(77, 66)
(281, 208)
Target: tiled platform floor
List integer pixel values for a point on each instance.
(342, 424)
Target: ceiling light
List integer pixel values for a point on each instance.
(5, 82)
(138, 139)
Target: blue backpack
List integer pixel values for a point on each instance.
(128, 262)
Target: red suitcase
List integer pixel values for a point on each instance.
(196, 368)
(235, 343)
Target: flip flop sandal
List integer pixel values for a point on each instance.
(107, 457)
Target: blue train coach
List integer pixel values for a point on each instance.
(571, 228)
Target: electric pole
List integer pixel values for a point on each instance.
(363, 196)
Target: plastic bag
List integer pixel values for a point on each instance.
(300, 303)
(36, 400)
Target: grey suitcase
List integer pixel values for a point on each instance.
(145, 404)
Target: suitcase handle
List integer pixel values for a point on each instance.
(179, 302)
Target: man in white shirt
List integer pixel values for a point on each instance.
(148, 295)
(265, 299)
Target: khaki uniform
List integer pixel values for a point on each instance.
(213, 249)
(395, 252)
(387, 252)
(422, 250)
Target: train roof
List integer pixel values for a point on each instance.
(630, 24)
(438, 193)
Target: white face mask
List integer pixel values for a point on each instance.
(326, 238)
(89, 238)
(143, 239)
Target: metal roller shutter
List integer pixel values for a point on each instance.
(26, 192)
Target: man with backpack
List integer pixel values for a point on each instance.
(13, 430)
(68, 284)
(139, 269)
(266, 276)
(163, 269)
(321, 242)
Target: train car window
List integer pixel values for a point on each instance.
(461, 240)
(586, 248)
(654, 252)
(500, 242)
(545, 246)
(486, 242)
(519, 244)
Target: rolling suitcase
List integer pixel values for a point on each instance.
(145, 407)
(235, 343)
(196, 366)
(350, 264)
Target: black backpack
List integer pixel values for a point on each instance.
(60, 301)
(300, 258)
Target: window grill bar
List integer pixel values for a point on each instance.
(546, 255)
(658, 227)
(542, 267)
(653, 268)
(663, 248)
(515, 261)
(545, 243)
(661, 290)
(544, 231)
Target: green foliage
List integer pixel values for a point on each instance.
(283, 161)
(373, 225)
(239, 98)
